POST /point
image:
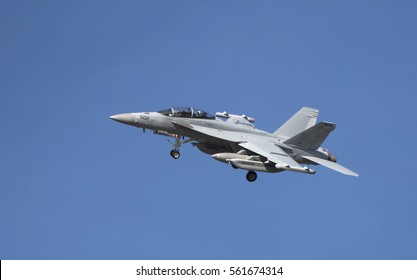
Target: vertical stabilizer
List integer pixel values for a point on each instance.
(302, 120)
(313, 137)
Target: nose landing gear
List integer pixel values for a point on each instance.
(175, 154)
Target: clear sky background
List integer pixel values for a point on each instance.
(76, 185)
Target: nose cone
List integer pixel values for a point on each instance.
(124, 118)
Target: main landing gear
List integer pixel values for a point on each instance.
(251, 176)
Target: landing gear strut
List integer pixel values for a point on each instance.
(251, 176)
(175, 153)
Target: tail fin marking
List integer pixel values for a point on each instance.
(300, 121)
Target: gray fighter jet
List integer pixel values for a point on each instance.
(234, 139)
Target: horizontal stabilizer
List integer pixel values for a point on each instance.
(313, 137)
(332, 165)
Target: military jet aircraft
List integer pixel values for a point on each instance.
(234, 139)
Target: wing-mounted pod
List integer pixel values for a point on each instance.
(222, 115)
(226, 115)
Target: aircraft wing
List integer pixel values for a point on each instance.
(274, 154)
(332, 165)
(270, 151)
(263, 147)
(259, 146)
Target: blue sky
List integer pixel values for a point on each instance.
(76, 185)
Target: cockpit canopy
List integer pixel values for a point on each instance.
(186, 112)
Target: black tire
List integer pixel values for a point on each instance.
(251, 176)
(175, 154)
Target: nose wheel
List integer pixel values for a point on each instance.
(175, 154)
(251, 176)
